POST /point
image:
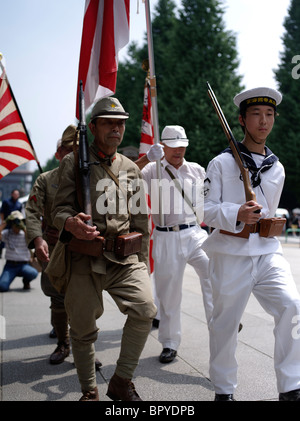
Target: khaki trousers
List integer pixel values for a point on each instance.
(59, 318)
(130, 287)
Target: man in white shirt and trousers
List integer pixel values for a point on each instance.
(179, 240)
(241, 265)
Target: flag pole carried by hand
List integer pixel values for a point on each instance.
(153, 93)
(15, 143)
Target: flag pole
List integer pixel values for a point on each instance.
(153, 94)
(20, 115)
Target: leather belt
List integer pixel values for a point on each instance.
(255, 228)
(16, 262)
(246, 231)
(109, 244)
(176, 227)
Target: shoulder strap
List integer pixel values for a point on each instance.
(178, 186)
(116, 180)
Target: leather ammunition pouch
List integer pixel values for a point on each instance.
(267, 227)
(122, 246)
(128, 244)
(271, 227)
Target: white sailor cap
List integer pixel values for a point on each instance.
(174, 137)
(258, 96)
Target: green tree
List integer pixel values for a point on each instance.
(285, 139)
(131, 76)
(191, 46)
(202, 50)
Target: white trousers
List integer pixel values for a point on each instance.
(233, 278)
(171, 252)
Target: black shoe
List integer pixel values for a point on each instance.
(293, 395)
(62, 351)
(98, 364)
(167, 355)
(224, 397)
(52, 334)
(155, 323)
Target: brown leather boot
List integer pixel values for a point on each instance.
(90, 395)
(120, 389)
(61, 352)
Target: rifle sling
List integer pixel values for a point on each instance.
(116, 180)
(177, 185)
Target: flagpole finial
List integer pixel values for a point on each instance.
(1, 56)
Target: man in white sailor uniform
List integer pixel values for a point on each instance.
(178, 241)
(239, 266)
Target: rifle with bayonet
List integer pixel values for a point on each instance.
(271, 226)
(84, 158)
(249, 193)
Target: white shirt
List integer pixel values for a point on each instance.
(15, 246)
(224, 194)
(176, 211)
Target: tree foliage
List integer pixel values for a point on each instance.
(191, 46)
(285, 140)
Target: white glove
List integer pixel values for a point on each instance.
(156, 152)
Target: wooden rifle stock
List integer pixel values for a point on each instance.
(249, 193)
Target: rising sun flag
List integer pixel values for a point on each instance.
(147, 140)
(15, 144)
(105, 31)
(147, 136)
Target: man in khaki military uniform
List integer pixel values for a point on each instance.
(41, 235)
(125, 278)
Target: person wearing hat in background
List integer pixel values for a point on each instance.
(41, 235)
(126, 278)
(17, 255)
(8, 206)
(179, 241)
(251, 263)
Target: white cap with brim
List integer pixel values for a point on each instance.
(258, 96)
(174, 137)
(15, 215)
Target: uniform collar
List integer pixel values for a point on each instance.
(165, 164)
(269, 159)
(105, 159)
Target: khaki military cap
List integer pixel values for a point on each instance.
(68, 136)
(108, 108)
